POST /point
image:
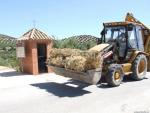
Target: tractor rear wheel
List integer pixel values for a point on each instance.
(139, 67)
(115, 75)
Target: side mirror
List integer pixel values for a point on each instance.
(103, 32)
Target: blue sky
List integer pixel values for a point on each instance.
(65, 18)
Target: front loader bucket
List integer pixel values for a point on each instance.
(91, 76)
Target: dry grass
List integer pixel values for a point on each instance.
(75, 59)
(77, 63)
(63, 52)
(58, 61)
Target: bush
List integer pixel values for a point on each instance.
(8, 57)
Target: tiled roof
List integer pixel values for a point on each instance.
(35, 34)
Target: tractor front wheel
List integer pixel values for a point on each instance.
(115, 75)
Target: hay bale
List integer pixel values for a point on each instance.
(77, 63)
(64, 52)
(70, 52)
(92, 64)
(93, 60)
(58, 61)
(75, 59)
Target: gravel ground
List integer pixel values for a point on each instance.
(50, 93)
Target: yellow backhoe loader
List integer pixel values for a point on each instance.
(125, 48)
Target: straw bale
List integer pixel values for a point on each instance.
(64, 52)
(77, 63)
(75, 59)
(58, 61)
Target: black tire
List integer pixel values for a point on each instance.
(139, 67)
(111, 75)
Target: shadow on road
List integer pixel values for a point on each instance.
(63, 89)
(129, 79)
(10, 74)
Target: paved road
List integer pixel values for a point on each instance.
(50, 93)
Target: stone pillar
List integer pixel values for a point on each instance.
(34, 58)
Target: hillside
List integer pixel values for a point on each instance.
(85, 38)
(8, 52)
(83, 42)
(7, 40)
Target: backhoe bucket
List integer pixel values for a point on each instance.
(91, 76)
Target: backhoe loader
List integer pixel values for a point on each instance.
(125, 48)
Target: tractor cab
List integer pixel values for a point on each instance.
(124, 36)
